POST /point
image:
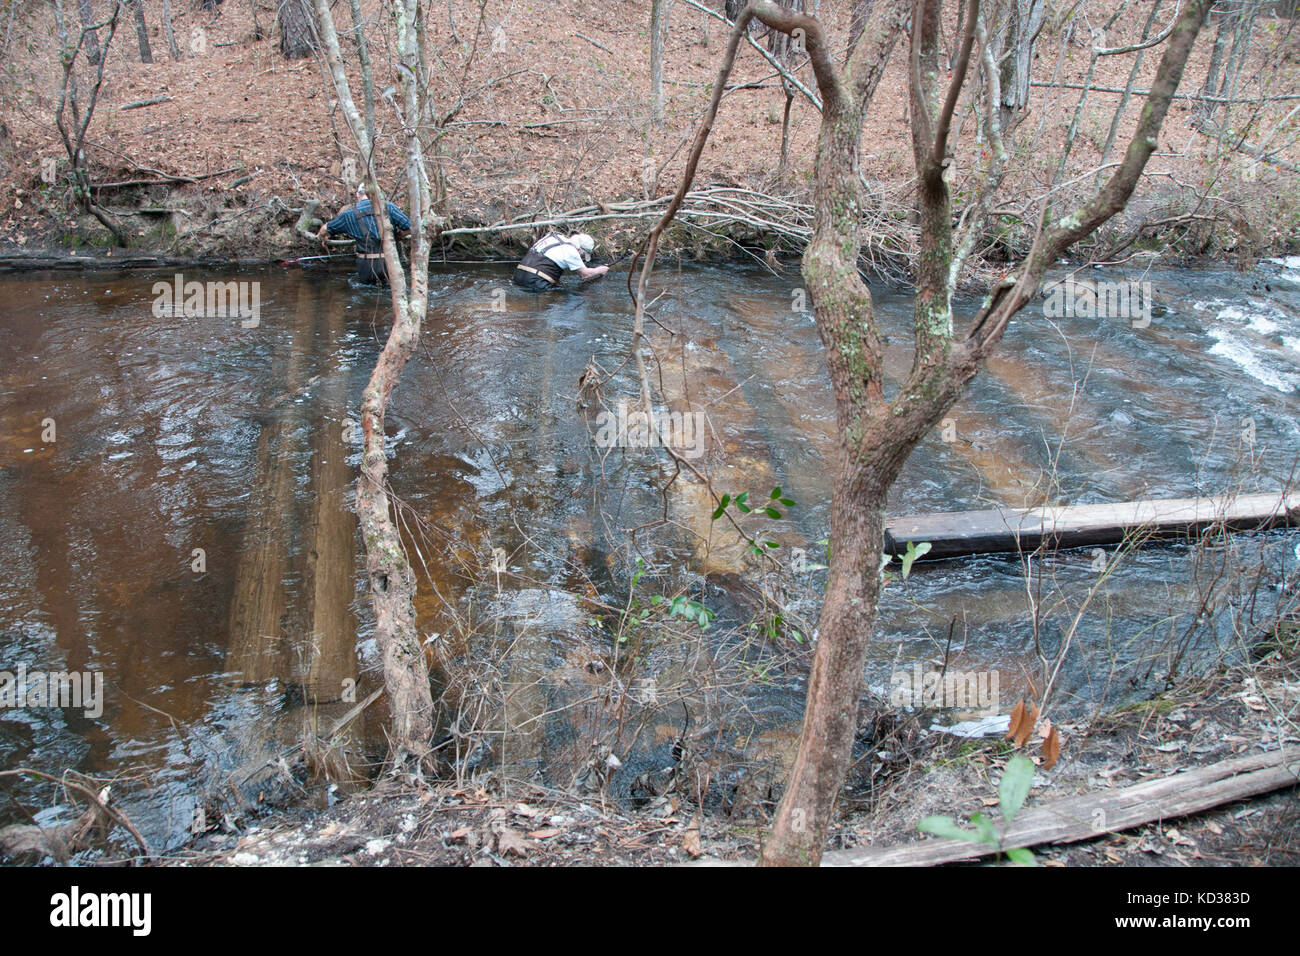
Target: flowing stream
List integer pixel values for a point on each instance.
(175, 500)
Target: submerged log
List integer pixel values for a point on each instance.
(258, 652)
(1072, 526)
(329, 544)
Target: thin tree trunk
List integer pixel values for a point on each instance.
(1028, 20)
(168, 32)
(87, 16)
(142, 32)
(1128, 89)
(657, 62)
(73, 133)
(858, 14)
(1237, 58)
(390, 578)
(1227, 25)
(363, 60)
(785, 128)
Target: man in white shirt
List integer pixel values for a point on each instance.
(551, 256)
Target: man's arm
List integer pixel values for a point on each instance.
(335, 227)
(401, 224)
(587, 273)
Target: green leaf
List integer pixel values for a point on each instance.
(788, 502)
(772, 513)
(722, 506)
(798, 638)
(947, 827)
(914, 551)
(1021, 856)
(984, 827)
(776, 493)
(744, 508)
(1014, 787)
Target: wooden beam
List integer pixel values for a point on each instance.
(1097, 813)
(1073, 526)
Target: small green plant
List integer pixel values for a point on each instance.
(913, 553)
(635, 614)
(1013, 789)
(683, 607)
(768, 508)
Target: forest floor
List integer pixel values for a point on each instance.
(546, 109)
(1247, 709)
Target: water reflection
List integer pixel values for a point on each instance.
(184, 436)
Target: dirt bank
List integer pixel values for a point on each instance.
(544, 110)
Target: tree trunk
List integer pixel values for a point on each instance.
(1229, 15)
(657, 29)
(72, 128)
(1128, 89)
(363, 60)
(390, 578)
(877, 436)
(168, 31)
(1017, 39)
(1237, 56)
(87, 16)
(785, 128)
(858, 14)
(142, 32)
(296, 35)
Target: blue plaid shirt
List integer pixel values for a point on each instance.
(359, 222)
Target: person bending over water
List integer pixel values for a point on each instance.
(552, 256)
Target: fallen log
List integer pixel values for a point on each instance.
(1072, 526)
(1098, 813)
(152, 101)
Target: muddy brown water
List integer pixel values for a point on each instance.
(175, 495)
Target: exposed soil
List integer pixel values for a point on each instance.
(553, 116)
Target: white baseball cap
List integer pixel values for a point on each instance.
(586, 245)
(361, 190)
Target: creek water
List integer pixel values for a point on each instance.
(175, 498)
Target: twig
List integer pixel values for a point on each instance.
(583, 36)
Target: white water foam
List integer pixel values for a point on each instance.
(1290, 267)
(1237, 331)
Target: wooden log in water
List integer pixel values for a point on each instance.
(951, 534)
(258, 651)
(328, 584)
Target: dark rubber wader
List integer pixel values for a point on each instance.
(370, 259)
(535, 272)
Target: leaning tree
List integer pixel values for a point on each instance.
(389, 576)
(877, 432)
